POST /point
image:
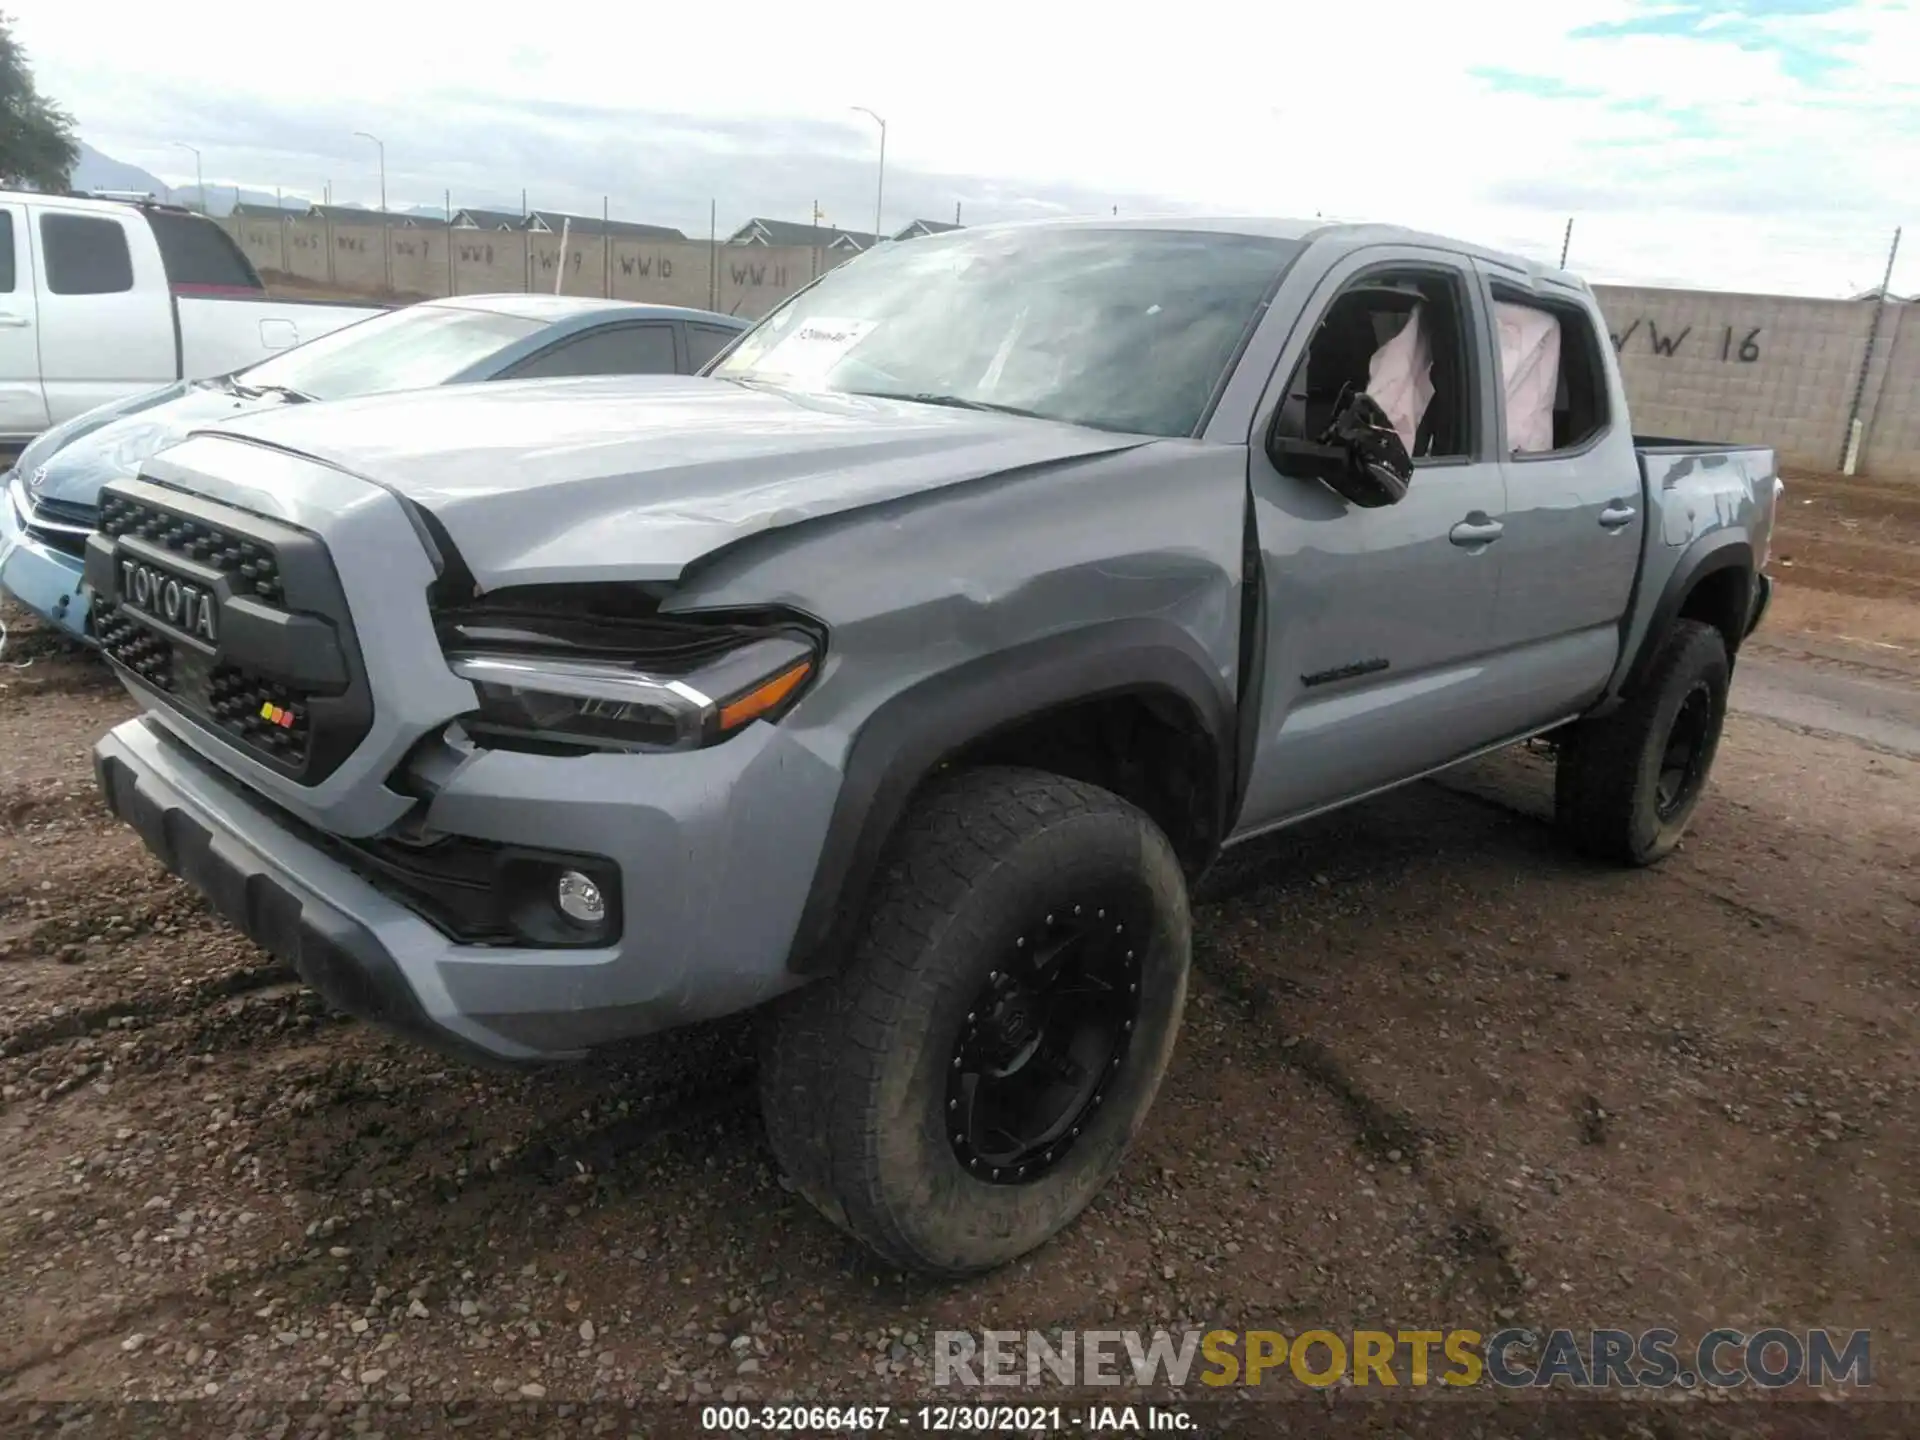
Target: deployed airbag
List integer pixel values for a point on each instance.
(1530, 373)
(1400, 377)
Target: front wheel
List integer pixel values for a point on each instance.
(964, 1088)
(1627, 785)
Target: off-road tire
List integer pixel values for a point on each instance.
(1607, 798)
(853, 1073)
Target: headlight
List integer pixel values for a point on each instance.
(655, 686)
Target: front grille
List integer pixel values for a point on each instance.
(148, 655)
(65, 512)
(60, 524)
(65, 541)
(250, 566)
(249, 707)
(277, 673)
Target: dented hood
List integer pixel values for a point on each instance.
(634, 478)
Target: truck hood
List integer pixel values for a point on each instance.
(634, 478)
(110, 442)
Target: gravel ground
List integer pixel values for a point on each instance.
(1435, 1073)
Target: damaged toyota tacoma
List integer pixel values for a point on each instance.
(898, 676)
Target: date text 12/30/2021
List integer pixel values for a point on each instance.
(943, 1419)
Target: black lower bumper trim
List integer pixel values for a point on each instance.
(335, 954)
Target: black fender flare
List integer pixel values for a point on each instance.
(1711, 553)
(900, 745)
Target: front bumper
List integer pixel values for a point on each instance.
(45, 580)
(716, 851)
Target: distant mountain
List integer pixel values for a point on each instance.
(102, 172)
(220, 199)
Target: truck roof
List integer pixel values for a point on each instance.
(82, 203)
(1347, 234)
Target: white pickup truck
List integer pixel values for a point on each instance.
(101, 299)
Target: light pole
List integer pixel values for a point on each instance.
(386, 235)
(880, 183)
(363, 135)
(199, 175)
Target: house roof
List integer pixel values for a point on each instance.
(253, 210)
(760, 231)
(925, 227)
(555, 220)
(488, 219)
(343, 214)
(361, 215)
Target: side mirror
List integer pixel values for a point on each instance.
(1308, 460)
(1360, 456)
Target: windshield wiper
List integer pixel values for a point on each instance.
(955, 402)
(285, 392)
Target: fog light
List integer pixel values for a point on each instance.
(579, 898)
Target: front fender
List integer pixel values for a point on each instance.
(909, 735)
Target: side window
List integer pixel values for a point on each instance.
(629, 350)
(1400, 338)
(1551, 373)
(6, 252)
(85, 255)
(704, 342)
(196, 251)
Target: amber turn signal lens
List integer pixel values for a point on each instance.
(762, 698)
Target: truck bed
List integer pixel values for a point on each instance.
(1665, 445)
(219, 333)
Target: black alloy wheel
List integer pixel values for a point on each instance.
(1041, 1042)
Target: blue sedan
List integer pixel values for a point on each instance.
(49, 503)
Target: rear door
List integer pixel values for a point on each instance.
(648, 348)
(106, 315)
(1379, 622)
(23, 403)
(1575, 513)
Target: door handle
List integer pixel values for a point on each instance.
(1476, 529)
(9, 321)
(1616, 515)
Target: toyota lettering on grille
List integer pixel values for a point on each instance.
(149, 592)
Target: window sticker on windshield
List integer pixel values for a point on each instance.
(815, 346)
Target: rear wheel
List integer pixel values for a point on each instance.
(966, 1086)
(1627, 785)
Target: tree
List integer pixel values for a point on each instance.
(37, 146)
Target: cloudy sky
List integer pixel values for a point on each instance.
(1750, 144)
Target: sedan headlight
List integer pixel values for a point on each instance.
(656, 686)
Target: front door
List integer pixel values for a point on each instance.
(106, 311)
(23, 403)
(1379, 622)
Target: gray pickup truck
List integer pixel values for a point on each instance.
(898, 676)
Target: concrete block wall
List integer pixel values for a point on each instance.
(1890, 448)
(1705, 365)
(1764, 369)
(737, 280)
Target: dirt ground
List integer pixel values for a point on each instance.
(1435, 1073)
(298, 287)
